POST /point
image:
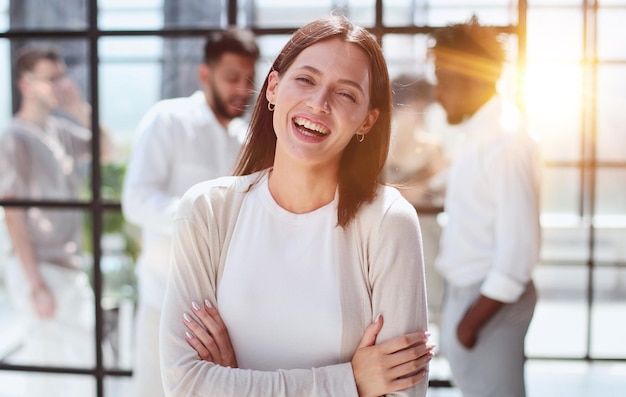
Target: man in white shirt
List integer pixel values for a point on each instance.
(181, 142)
(491, 241)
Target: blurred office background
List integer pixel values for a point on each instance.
(567, 69)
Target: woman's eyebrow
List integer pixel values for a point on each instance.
(349, 82)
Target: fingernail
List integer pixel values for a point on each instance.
(189, 335)
(377, 317)
(186, 317)
(207, 303)
(195, 305)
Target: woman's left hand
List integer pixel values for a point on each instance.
(209, 336)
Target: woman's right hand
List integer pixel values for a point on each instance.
(209, 337)
(394, 365)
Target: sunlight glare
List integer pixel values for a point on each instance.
(552, 88)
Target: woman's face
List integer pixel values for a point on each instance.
(321, 101)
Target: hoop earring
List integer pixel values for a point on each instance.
(270, 106)
(360, 137)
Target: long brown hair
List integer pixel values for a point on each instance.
(361, 162)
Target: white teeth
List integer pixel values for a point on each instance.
(311, 126)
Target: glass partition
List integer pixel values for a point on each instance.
(49, 15)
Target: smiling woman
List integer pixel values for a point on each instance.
(149, 50)
(329, 95)
(300, 258)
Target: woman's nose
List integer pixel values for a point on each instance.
(319, 101)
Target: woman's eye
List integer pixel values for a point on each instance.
(305, 80)
(347, 95)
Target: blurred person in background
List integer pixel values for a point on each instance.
(417, 166)
(44, 153)
(181, 142)
(490, 243)
(416, 161)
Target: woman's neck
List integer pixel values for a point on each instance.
(302, 189)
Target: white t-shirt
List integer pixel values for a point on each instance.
(279, 294)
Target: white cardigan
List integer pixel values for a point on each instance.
(382, 272)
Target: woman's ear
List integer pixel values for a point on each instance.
(369, 121)
(272, 87)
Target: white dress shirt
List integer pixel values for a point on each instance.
(492, 204)
(179, 143)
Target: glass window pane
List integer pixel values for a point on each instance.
(574, 378)
(127, 15)
(128, 92)
(269, 46)
(4, 15)
(118, 386)
(67, 339)
(362, 12)
(404, 13)
(610, 207)
(611, 30)
(560, 196)
(563, 243)
(441, 16)
(611, 119)
(431, 233)
(475, 3)
(112, 176)
(609, 247)
(608, 323)
(125, 4)
(5, 81)
(547, 39)
(48, 15)
(120, 247)
(200, 14)
(440, 13)
(17, 384)
(406, 53)
(130, 71)
(278, 13)
(157, 14)
(553, 99)
(555, 3)
(559, 325)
